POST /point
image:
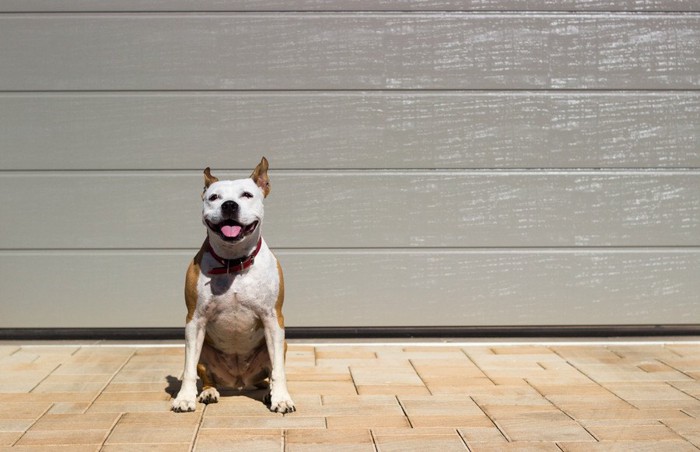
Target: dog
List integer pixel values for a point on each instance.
(234, 291)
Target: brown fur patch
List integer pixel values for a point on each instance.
(207, 381)
(280, 297)
(191, 281)
(279, 303)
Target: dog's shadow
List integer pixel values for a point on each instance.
(260, 395)
(174, 385)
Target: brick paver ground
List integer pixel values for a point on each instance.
(362, 397)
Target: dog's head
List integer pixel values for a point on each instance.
(233, 209)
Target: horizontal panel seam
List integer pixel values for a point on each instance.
(366, 172)
(345, 13)
(387, 250)
(363, 91)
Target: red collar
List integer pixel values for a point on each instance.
(233, 265)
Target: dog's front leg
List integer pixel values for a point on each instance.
(280, 401)
(194, 338)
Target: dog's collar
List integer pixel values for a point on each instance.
(233, 265)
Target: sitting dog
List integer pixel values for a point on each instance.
(234, 336)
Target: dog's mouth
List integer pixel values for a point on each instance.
(231, 230)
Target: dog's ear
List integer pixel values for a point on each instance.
(208, 178)
(260, 176)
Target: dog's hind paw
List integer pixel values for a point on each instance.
(209, 395)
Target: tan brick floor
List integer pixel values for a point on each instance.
(363, 397)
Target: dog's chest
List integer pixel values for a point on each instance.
(234, 304)
(232, 297)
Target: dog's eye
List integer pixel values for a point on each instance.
(247, 194)
(213, 197)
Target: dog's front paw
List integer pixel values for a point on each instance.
(209, 395)
(280, 404)
(185, 401)
(183, 405)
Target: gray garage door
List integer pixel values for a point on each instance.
(434, 163)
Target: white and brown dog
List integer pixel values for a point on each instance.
(234, 336)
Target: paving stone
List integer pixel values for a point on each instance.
(519, 446)
(627, 446)
(72, 383)
(634, 432)
(7, 350)
(41, 397)
(69, 407)
(437, 443)
(321, 387)
(360, 400)
(124, 407)
(691, 388)
(432, 405)
(689, 429)
(23, 410)
(451, 420)
(346, 352)
(133, 396)
(324, 440)
(139, 376)
(381, 375)
(392, 389)
(168, 418)
(652, 392)
(537, 424)
(9, 438)
(356, 397)
(318, 374)
(126, 433)
(350, 410)
(346, 422)
(95, 421)
(15, 425)
(54, 447)
(489, 434)
(62, 437)
(412, 431)
(457, 385)
(270, 421)
(163, 386)
(589, 412)
(217, 440)
(162, 447)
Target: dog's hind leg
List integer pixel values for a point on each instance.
(209, 393)
(257, 369)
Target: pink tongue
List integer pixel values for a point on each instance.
(231, 231)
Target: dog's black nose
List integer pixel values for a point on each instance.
(229, 207)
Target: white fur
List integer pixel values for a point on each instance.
(230, 306)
